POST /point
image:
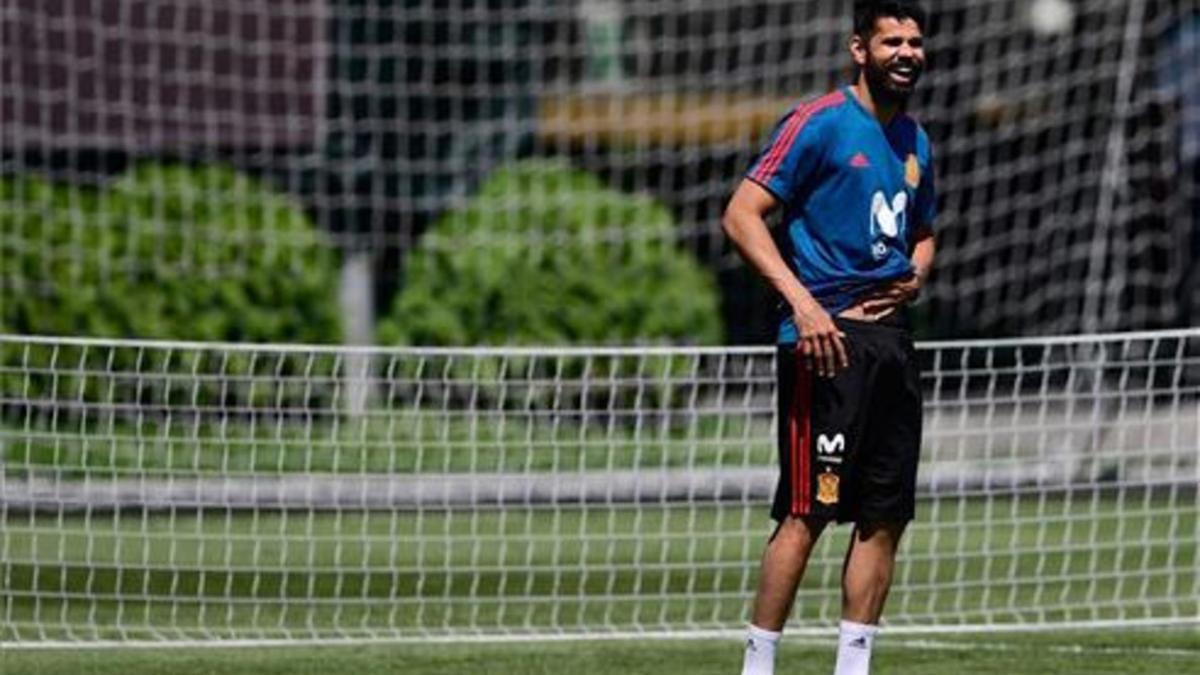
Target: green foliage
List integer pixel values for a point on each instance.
(166, 252)
(549, 255)
(42, 229)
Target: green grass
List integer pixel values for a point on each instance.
(1125, 652)
(391, 441)
(526, 569)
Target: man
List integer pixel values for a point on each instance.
(853, 176)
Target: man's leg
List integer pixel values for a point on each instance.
(866, 579)
(783, 563)
(818, 431)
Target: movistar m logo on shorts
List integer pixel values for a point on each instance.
(888, 220)
(829, 450)
(831, 446)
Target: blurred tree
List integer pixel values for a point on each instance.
(166, 252)
(548, 255)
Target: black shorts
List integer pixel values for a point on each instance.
(849, 446)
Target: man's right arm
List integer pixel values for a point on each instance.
(745, 224)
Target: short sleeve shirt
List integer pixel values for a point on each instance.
(854, 193)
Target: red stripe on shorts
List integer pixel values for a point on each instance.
(800, 419)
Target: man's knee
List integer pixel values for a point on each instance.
(801, 531)
(871, 557)
(879, 534)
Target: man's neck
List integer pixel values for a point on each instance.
(882, 110)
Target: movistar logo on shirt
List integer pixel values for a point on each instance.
(888, 220)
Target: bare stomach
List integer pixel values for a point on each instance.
(858, 313)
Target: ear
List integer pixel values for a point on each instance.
(858, 50)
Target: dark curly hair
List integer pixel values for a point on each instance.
(867, 12)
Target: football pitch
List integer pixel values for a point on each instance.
(594, 569)
(585, 569)
(1119, 652)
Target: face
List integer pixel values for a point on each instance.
(892, 59)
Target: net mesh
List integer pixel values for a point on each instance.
(1064, 132)
(160, 491)
(200, 170)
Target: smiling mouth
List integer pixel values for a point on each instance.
(903, 74)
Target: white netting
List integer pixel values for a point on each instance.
(1061, 132)
(169, 490)
(175, 491)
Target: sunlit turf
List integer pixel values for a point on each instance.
(393, 442)
(587, 567)
(1117, 652)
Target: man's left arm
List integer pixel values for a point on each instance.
(904, 290)
(922, 255)
(898, 293)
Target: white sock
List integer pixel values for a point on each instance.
(854, 648)
(760, 651)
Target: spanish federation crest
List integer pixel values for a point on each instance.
(912, 171)
(827, 488)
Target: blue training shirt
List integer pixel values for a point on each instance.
(854, 193)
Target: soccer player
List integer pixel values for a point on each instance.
(853, 176)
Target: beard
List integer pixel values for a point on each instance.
(888, 89)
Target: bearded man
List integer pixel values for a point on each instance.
(853, 176)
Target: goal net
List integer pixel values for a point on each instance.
(197, 170)
(184, 491)
(1065, 131)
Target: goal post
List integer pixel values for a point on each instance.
(157, 491)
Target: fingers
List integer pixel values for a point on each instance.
(821, 343)
(843, 355)
(888, 298)
(878, 302)
(817, 360)
(833, 355)
(880, 306)
(825, 351)
(900, 290)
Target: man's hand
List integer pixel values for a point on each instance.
(890, 297)
(820, 340)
